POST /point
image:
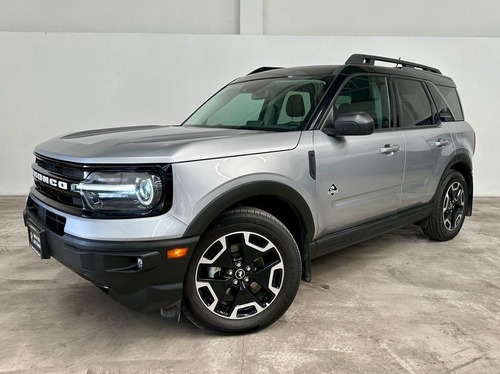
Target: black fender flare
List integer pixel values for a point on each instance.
(462, 157)
(280, 190)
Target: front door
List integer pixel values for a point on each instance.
(359, 178)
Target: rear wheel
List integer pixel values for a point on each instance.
(244, 273)
(448, 214)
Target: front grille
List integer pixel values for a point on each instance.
(66, 198)
(56, 222)
(67, 170)
(53, 221)
(61, 171)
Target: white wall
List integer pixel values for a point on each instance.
(53, 83)
(280, 17)
(382, 17)
(121, 16)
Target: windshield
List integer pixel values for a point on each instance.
(268, 104)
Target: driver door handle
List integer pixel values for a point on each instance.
(389, 149)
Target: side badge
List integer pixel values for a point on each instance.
(333, 189)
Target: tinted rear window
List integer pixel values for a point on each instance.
(416, 108)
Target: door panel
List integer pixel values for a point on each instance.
(427, 153)
(428, 142)
(367, 181)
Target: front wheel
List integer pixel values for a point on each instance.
(449, 210)
(244, 273)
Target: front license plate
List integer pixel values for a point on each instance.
(37, 241)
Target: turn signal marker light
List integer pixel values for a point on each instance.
(177, 252)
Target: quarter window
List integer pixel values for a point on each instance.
(444, 113)
(365, 94)
(451, 96)
(416, 109)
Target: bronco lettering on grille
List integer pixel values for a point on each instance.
(50, 181)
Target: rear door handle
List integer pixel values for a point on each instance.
(441, 142)
(389, 149)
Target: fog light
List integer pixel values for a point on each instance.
(177, 252)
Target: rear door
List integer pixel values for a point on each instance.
(428, 142)
(359, 178)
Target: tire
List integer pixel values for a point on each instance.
(244, 273)
(448, 213)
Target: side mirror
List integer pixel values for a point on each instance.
(354, 123)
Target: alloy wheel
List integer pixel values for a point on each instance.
(239, 275)
(453, 206)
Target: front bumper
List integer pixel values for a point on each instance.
(135, 273)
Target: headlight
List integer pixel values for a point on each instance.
(122, 192)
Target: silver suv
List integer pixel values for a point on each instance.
(221, 215)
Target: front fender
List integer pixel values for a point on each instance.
(247, 190)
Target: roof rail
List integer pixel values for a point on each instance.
(369, 59)
(263, 68)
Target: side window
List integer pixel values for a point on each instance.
(451, 96)
(365, 94)
(444, 112)
(416, 108)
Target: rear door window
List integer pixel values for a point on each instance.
(416, 108)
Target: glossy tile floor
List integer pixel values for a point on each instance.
(397, 303)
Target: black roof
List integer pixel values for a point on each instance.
(357, 63)
(297, 71)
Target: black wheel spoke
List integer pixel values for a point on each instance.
(263, 280)
(455, 216)
(219, 287)
(205, 270)
(267, 267)
(224, 260)
(447, 215)
(250, 254)
(243, 297)
(453, 194)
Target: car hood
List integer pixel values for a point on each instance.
(163, 144)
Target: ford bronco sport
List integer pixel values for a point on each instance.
(221, 215)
